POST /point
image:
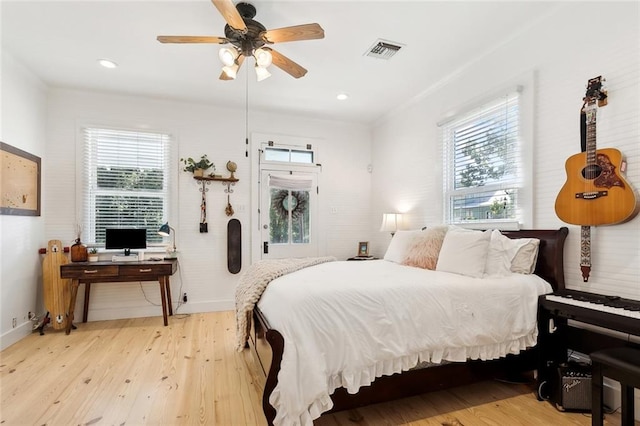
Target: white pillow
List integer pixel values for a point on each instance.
(524, 262)
(464, 252)
(399, 245)
(502, 250)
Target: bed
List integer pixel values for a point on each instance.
(446, 364)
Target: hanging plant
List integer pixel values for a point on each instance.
(191, 165)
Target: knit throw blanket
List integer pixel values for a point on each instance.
(253, 283)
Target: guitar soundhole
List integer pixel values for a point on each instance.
(592, 171)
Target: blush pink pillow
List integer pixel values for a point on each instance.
(424, 251)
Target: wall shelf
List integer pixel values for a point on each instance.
(219, 179)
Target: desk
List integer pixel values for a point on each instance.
(109, 272)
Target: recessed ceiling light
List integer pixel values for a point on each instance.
(107, 63)
(342, 96)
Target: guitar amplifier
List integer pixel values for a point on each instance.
(575, 389)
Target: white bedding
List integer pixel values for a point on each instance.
(346, 323)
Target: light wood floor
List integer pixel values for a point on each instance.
(137, 372)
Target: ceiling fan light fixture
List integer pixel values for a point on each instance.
(231, 70)
(263, 57)
(228, 56)
(262, 73)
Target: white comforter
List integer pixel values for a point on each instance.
(346, 323)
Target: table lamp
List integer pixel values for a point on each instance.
(391, 222)
(165, 231)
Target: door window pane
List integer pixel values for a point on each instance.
(276, 154)
(300, 217)
(289, 217)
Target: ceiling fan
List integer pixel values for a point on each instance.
(250, 38)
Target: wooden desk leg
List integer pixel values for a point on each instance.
(164, 300)
(167, 286)
(85, 311)
(72, 305)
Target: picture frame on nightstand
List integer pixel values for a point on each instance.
(363, 248)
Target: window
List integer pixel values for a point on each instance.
(125, 182)
(482, 163)
(288, 155)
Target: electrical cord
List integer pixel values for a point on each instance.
(179, 303)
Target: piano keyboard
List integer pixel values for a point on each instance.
(610, 312)
(612, 305)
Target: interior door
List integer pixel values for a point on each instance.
(288, 213)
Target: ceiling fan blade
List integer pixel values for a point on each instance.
(295, 33)
(224, 76)
(192, 39)
(230, 14)
(286, 64)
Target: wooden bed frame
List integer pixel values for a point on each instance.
(267, 346)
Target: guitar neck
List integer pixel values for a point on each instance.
(591, 136)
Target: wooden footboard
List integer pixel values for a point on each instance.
(267, 346)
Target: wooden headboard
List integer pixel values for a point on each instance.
(550, 265)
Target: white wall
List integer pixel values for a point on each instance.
(22, 125)
(560, 53)
(220, 133)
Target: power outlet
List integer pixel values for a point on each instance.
(14, 322)
(184, 297)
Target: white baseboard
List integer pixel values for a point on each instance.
(15, 334)
(612, 396)
(197, 307)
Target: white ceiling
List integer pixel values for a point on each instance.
(61, 42)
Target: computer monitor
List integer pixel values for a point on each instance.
(125, 239)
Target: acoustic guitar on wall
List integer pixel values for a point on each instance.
(595, 192)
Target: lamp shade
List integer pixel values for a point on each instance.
(263, 57)
(262, 73)
(165, 230)
(391, 222)
(231, 70)
(228, 55)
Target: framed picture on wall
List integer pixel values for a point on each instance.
(19, 182)
(363, 248)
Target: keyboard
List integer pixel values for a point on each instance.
(611, 312)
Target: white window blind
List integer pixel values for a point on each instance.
(293, 183)
(483, 164)
(125, 182)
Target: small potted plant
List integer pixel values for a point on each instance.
(197, 167)
(93, 254)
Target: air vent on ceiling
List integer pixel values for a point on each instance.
(383, 49)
